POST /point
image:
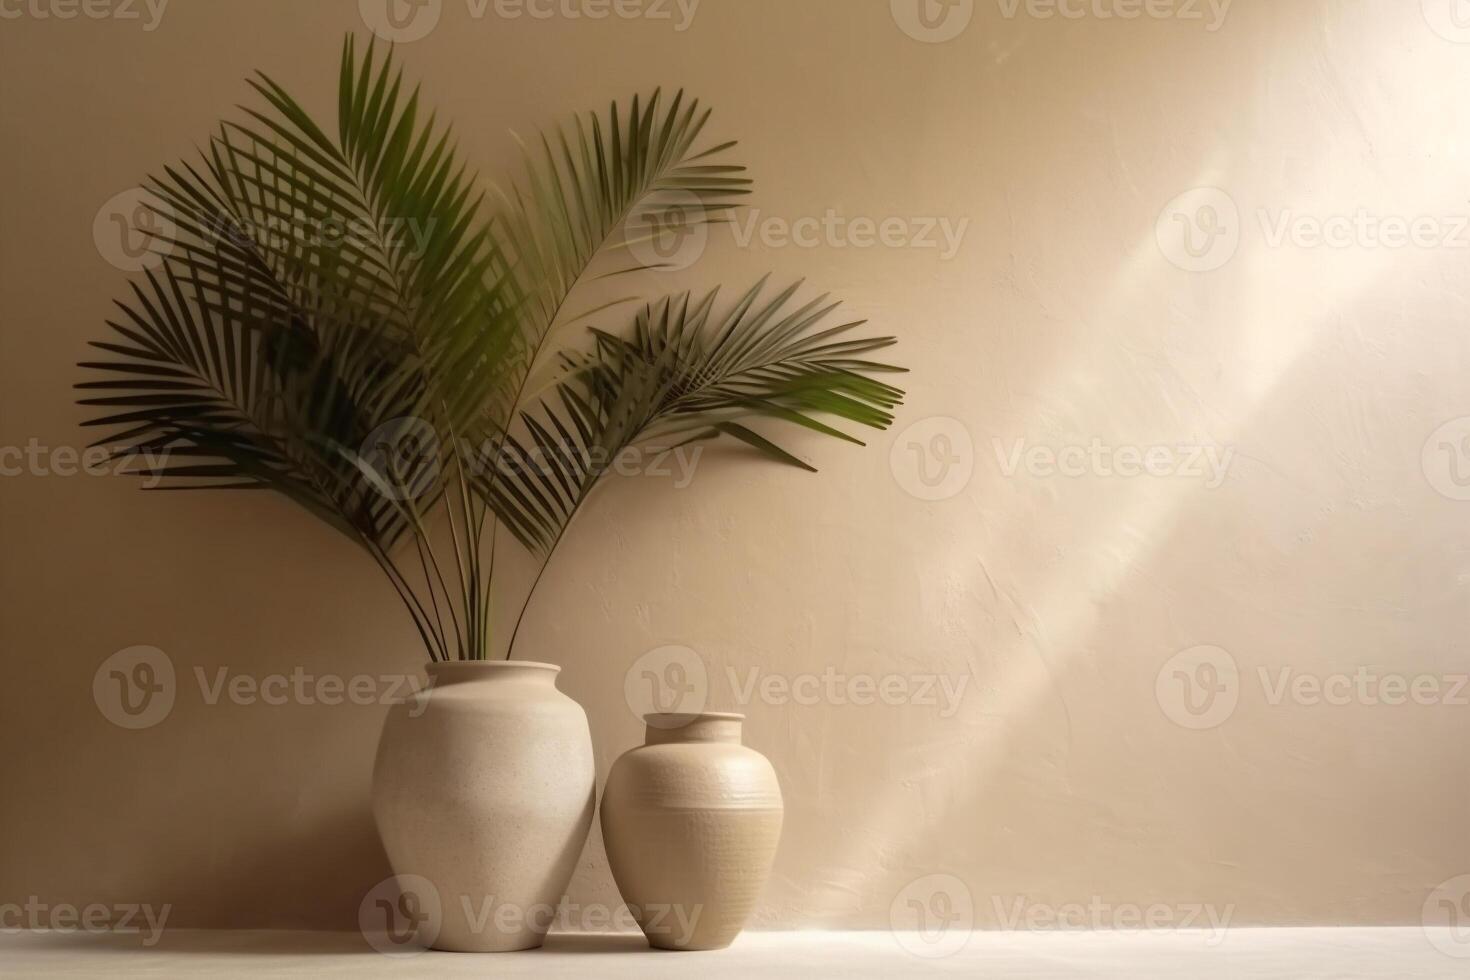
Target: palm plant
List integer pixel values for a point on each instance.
(342, 317)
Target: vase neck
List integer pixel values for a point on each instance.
(470, 671)
(664, 729)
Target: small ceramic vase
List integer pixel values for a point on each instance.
(691, 820)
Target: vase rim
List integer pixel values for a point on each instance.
(441, 665)
(693, 716)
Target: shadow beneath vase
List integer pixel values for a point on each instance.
(288, 943)
(597, 942)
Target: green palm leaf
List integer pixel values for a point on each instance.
(686, 374)
(338, 315)
(316, 289)
(604, 186)
(299, 298)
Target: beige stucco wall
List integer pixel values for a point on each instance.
(1328, 541)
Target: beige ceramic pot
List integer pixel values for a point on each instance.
(484, 789)
(691, 820)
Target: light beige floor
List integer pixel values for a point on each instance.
(1244, 954)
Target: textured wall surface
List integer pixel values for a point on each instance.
(1161, 580)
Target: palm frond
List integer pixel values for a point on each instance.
(603, 186)
(316, 289)
(340, 317)
(683, 374)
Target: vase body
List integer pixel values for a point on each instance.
(484, 786)
(691, 820)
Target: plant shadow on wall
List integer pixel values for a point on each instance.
(345, 318)
(341, 315)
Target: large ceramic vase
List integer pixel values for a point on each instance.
(484, 786)
(691, 820)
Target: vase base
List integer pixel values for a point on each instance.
(692, 948)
